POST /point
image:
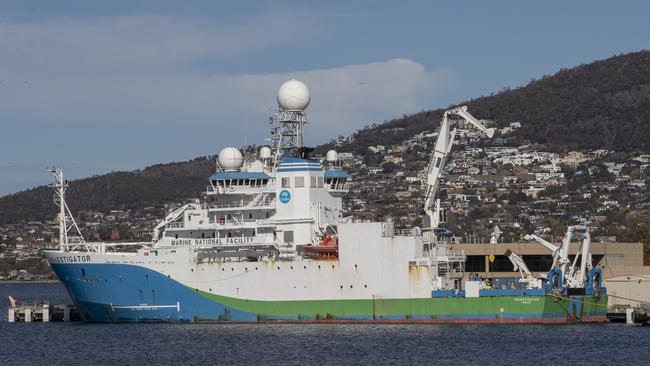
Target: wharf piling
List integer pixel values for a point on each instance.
(629, 315)
(42, 313)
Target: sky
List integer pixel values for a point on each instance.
(100, 86)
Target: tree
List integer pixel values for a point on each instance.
(389, 167)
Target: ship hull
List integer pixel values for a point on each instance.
(130, 293)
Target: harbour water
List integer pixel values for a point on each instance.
(206, 344)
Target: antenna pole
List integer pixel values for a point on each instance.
(59, 199)
(64, 215)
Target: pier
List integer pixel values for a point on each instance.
(43, 312)
(630, 315)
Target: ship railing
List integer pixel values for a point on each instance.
(260, 204)
(234, 222)
(450, 255)
(175, 225)
(103, 247)
(391, 231)
(344, 189)
(269, 188)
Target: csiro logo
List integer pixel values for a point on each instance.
(285, 196)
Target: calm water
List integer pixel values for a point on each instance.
(206, 344)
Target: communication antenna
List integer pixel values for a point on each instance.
(65, 218)
(288, 136)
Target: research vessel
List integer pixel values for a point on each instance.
(270, 242)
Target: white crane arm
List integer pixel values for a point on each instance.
(518, 262)
(441, 150)
(552, 247)
(172, 216)
(444, 143)
(462, 111)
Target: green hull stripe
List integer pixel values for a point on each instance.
(434, 307)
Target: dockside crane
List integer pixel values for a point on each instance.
(443, 146)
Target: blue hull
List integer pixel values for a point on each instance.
(126, 293)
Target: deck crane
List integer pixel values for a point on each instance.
(443, 146)
(173, 216)
(552, 247)
(575, 277)
(526, 275)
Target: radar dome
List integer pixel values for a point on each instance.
(265, 152)
(293, 95)
(332, 156)
(230, 158)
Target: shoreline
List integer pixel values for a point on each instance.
(2, 282)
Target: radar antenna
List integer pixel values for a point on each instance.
(290, 119)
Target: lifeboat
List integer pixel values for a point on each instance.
(328, 248)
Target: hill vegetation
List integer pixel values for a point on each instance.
(152, 186)
(605, 104)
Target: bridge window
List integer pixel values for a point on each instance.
(285, 182)
(299, 182)
(313, 181)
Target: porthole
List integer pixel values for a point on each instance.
(350, 286)
(278, 268)
(305, 267)
(341, 287)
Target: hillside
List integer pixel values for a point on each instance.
(605, 104)
(151, 186)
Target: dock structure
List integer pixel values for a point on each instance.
(42, 313)
(630, 315)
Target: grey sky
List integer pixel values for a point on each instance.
(101, 86)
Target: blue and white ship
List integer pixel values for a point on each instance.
(270, 242)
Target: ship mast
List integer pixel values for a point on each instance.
(65, 218)
(288, 136)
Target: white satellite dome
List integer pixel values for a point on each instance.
(230, 158)
(332, 156)
(265, 152)
(293, 95)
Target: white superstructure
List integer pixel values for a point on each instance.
(271, 227)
